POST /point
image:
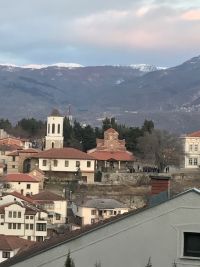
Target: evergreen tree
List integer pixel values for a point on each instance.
(69, 261)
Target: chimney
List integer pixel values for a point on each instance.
(160, 187)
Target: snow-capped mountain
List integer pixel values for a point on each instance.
(43, 66)
(146, 67)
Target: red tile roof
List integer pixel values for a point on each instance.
(115, 155)
(8, 147)
(29, 151)
(10, 243)
(22, 197)
(2, 207)
(19, 177)
(64, 153)
(47, 195)
(194, 134)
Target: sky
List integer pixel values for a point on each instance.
(99, 32)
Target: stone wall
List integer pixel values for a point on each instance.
(121, 178)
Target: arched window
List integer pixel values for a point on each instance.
(53, 128)
(48, 128)
(52, 145)
(58, 128)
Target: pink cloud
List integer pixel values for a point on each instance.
(191, 15)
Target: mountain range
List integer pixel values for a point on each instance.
(169, 96)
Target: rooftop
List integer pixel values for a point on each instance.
(194, 134)
(10, 243)
(64, 153)
(18, 177)
(47, 195)
(113, 155)
(100, 203)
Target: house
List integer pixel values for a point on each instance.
(55, 205)
(12, 245)
(23, 220)
(21, 160)
(11, 140)
(20, 182)
(164, 234)
(191, 144)
(111, 153)
(92, 210)
(68, 163)
(39, 175)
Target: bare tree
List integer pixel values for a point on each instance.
(160, 148)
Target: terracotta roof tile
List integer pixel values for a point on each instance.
(194, 134)
(19, 177)
(64, 153)
(46, 195)
(115, 155)
(111, 130)
(10, 243)
(22, 197)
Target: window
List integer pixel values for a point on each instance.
(13, 158)
(191, 244)
(27, 226)
(195, 161)
(10, 214)
(190, 161)
(58, 216)
(19, 214)
(19, 226)
(55, 163)
(77, 163)
(6, 254)
(66, 163)
(115, 212)
(88, 164)
(41, 227)
(31, 226)
(10, 226)
(29, 237)
(28, 186)
(48, 128)
(14, 226)
(2, 223)
(196, 147)
(14, 214)
(2, 216)
(53, 128)
(39, 238)
(52, 145)
(93, 212)
(44, 162)
(13, 166)
(58, 128)
(31, 217)
(190, 147)
(27, 217)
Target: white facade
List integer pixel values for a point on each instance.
(66, 165)
(192, 152)
(24, 188)
(54, 137)
(93, 215)
(17, 220)
(157, 233)
(11, 254)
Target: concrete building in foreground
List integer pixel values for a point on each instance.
(166, 234)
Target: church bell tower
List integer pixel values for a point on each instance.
(54, 137)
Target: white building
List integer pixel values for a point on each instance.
(90, 211)
(23, 220)
(55, 205)
(191, 144)
(165, 234)
(20, 182)
(54, 137)
(67, 161)
(11, 245)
